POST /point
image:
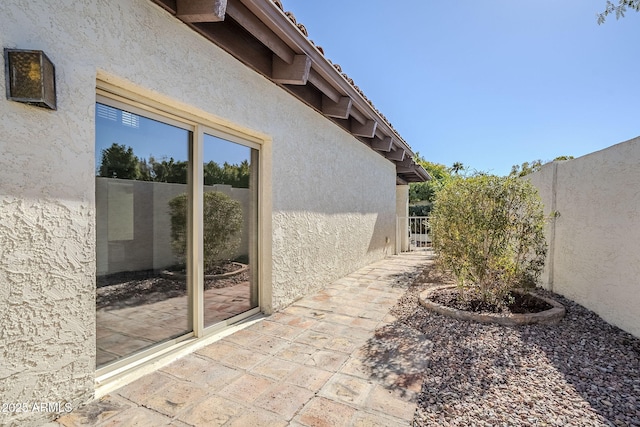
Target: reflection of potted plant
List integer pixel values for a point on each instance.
(221, 229)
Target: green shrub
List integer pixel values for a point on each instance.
(222, 225)
(423, 209)
(489, 232)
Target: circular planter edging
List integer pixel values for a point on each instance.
(547, 317)
(173, 275)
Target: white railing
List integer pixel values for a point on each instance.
(413, 234)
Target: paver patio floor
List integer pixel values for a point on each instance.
(318, 362)
(123, 331)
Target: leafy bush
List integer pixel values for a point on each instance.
(489, 232)
(423, 209)
(222, 225)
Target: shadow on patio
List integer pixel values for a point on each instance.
(580, 372)
(305, 365)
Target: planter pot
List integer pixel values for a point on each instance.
(175, 275)
(548, 317)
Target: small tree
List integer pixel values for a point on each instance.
(422, 194)
(489, 231)
(222, 225)
(118, 161)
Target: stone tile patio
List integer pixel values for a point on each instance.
(124, 331)
(330, 359)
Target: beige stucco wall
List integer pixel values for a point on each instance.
(332, 213)
(402, 213)
(333, 198)
(595, 240)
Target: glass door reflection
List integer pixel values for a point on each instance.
(142, 170)
(230, 229)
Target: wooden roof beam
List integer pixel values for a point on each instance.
(296, 73)
(384, 144)
(356, 114)
(367, 130)
(260, 31)
(405, 169)
(201, 10)
(339, 110)
(274, 18)
(406, 162)
(396, 155)
(323, 86)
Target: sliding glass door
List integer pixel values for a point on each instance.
(230, 220)
(176, 231)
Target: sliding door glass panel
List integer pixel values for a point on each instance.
(230, 229)
(142, 204)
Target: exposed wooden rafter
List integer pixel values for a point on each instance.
(396, 155)
(406, 162)
(367, 130)
(323, 86)
(361, 118)
(265, 38)
(384, 144)
(295, 73)
(339, 110)
(260, 31)
(201, 10)
(405, 169)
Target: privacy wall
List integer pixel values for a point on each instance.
(332, 198)
(594, 241)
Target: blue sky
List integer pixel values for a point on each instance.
(149, 138)
(488, 83)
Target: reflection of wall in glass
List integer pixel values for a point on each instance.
(231, 168)
(120, 210)
(136, 307)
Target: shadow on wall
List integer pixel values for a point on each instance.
(537, 372)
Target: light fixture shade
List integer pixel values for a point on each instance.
(30, 77)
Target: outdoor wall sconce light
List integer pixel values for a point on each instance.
(30, 77)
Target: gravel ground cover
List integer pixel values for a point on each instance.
(581, 372)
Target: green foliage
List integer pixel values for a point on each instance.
(489, 232)
(222, 225)
(559, 158)
(169, 170)
(234, 175)
(528, 168)
(457, 167)
(619, 10)
(422, 209)
(119, 161)
(426, 191)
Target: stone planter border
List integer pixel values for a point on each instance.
(547, 317)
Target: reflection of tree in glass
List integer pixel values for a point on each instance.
(168, 170)
(222, 224)
(119, 161)
(234, 175)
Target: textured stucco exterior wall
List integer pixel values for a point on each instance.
(334, 207)
(596, 248)
(333, 198)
